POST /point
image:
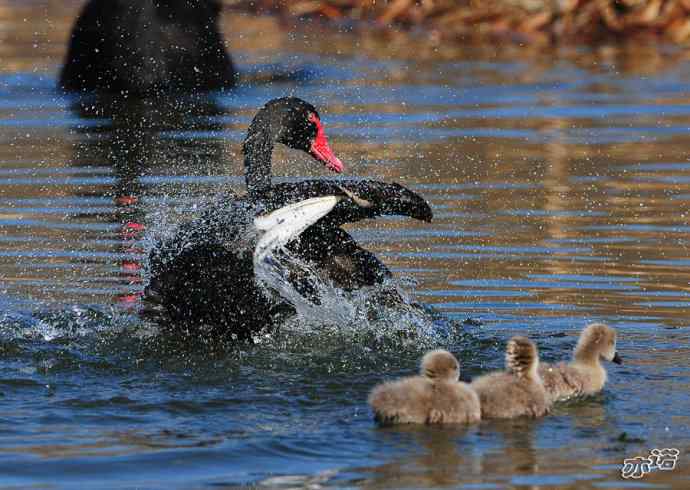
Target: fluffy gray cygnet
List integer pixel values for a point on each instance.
(435, 396)
(584, 374)
(518, 390)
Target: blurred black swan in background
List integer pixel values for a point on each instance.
(147, 47)
(209, 273)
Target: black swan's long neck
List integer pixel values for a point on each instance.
(258, 153)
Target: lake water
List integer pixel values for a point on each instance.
(560, 184)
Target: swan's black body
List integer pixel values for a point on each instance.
(147, 48)
(205, 274)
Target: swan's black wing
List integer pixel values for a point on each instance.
(337, 256)
(331, 250)
(368, 199)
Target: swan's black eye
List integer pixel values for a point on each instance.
(296, 137)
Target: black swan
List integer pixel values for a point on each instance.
(206, 274)
(147, 47)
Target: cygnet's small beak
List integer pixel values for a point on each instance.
(617, 359)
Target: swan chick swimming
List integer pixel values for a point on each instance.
(435, 396)
(518, 390)
(584, 374)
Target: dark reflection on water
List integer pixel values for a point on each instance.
(560, 190)
(130, 137)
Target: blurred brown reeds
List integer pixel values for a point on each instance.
(545, 21)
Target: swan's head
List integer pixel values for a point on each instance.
(597, 340)
(295, 123)
(440, 365)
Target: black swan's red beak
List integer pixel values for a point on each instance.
(320, 149)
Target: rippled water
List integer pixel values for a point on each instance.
(560, 188)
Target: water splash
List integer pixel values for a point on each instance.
(379, 316)
(326, 317)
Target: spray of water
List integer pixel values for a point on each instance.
(379, 316)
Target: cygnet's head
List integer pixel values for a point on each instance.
(522, 357)
(440, 365)
(597, 340)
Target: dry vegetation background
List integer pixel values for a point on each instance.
(529, 21)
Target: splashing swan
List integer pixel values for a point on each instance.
(208, 275)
